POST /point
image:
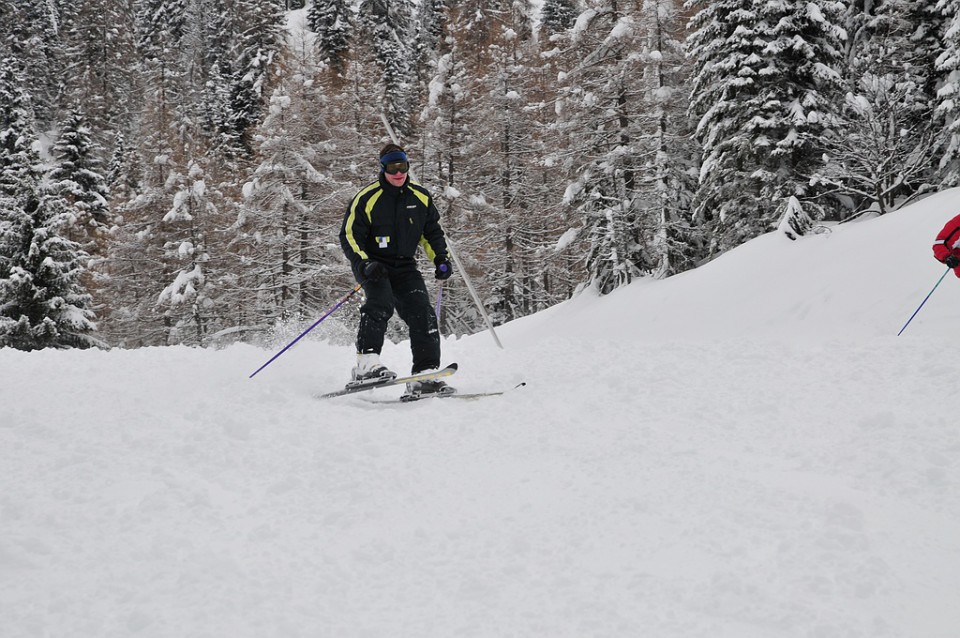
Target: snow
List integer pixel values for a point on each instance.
(742, 451)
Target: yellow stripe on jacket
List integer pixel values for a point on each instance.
(352, 218)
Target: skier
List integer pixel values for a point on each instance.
(382, 227)
(947, 247)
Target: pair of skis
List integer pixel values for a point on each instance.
(353, 388)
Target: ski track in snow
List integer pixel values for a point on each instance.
(740, 481)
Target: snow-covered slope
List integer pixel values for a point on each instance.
(861, 279)
(745, 450)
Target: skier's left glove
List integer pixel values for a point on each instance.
(444, 268)
(951, 261)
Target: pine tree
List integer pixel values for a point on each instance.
(601, 109)
(764, 89)
(557, 15)
(431, 23)
(42, 304)
(948, 95)
(331, 21)
(794, 222)
(260, 39)
(667, 184)
(78, 177)
(188, 300)
(99, 41)
(122, 173)
(388, 26)
(30, 37)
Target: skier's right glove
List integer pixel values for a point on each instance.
(952, 261)
(372, 270)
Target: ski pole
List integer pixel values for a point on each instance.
(439, 300)
(303, 334)
(923, 302)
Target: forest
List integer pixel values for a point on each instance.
(177, 171)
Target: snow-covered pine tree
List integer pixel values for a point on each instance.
(671, 158)
(485, 79)
(601, 108)
(431, 22)
(30, 34)
(794, 221)
(259, 40)
(388, 27)
(556, 16)
(765, 86)
(98, 40)
(209, 57)
(123, 173)
(444, 113)
(42, 303)
(928, 23)
(77, 175)
(189, 300)
(331, 21)
(948, 95)
(563, 257)
(18, 161)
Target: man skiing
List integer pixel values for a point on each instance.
(383, 226)
(947, 247)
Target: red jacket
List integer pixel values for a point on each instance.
(948, 242)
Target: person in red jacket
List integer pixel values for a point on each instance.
(947, 247)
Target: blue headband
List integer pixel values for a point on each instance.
(393, 156)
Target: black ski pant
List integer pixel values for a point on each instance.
(402, 290)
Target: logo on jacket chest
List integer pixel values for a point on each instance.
(383, 241)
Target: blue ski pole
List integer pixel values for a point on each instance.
(923, 302)
(304, 333)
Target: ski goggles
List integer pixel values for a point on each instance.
(392, 168)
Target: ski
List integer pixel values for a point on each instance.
(480, 395)
(469, 396)
(424, 376)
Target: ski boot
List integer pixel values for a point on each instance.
(369, 371)
(425, 389)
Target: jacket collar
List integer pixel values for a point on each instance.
(390, 188)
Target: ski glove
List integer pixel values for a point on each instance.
(444, 268)
(951, 261)
(372, 270)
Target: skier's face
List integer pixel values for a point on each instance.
(396, 172)
(397, 179)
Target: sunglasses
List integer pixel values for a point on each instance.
(396, 167)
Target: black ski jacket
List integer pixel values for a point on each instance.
(386, 223)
